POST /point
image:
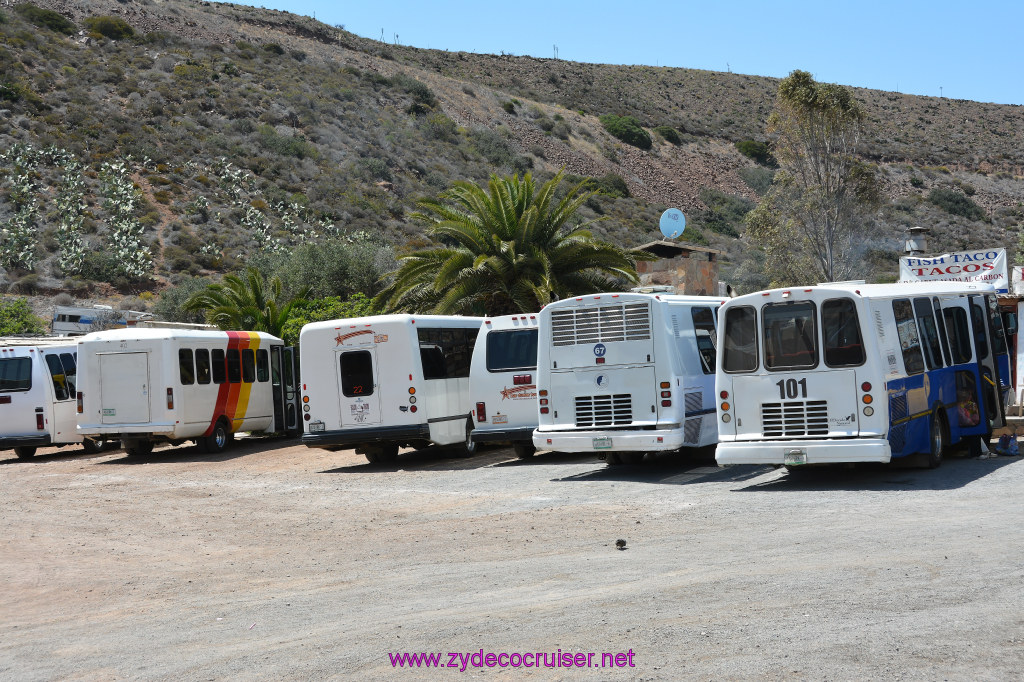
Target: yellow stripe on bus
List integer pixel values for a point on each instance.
(245, 388)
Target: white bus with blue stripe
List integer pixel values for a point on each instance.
(626, 374)
(854, 372)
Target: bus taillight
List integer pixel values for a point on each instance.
(80, 401)
(170, 398)
(666, 394)
(40, 420)
(481, 412)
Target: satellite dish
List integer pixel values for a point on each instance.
(672, 223)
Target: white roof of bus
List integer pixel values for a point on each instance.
(151, 334)
(402, 319)
(875, 290)
(636, 296)
(44, 341)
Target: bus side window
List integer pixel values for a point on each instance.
(217, 358)
(60, 386)
(70, 372)
(739, 352)
(929, 334)
(943, 334)
(841, 328)
(707, 339)
(202, 366)
(248, 365)
(980, 335)
(186, 368)
(910, 342)
(234, 366)
(262, 366)
(959, 334)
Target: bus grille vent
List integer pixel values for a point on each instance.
(588, 326)
(804, 418)
(604, 410)
(898, 438)
(694, 401)
(898, 406)
(691, 430)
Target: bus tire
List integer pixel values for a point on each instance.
(218, 440)
(382, 454)
(24, 452)
(469, 446)
(91, 447)
(612, 459)
(138, 448)
(523, 451)
(936, 440)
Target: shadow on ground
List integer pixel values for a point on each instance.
(193, 453)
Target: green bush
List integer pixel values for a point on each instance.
(669, 134)
(509, 107)
(322, 309)
(16, 317)
(724, 213)
(273, 48)
(956, 203)
(916, 181)
(492, 146)
(758, 151)
(114, 28)
(757, 179)
(286, 145)
(611, 185)
(45, 18)
(627, 129)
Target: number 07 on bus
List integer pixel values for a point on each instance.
(854, 372)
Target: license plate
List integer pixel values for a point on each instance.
(499, 419)
(316, 426)
(795, 457)
(109, 412)
(602, 443)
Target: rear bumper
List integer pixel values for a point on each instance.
(371, 435)
(515, 435)
(11, 442)
(810, 451)
(621, 441)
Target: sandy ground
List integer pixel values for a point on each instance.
(275, 561)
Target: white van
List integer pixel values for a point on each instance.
(144, 386)
(501, 382)
(37, 395)
(377, 383)
(627, 374)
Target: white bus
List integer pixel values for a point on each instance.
(853, 372)
(78, 320)
(381, 382)
(627, 374)
(38, 378)
(501, 382)
(144, 386)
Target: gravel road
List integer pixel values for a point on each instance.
(275, 561)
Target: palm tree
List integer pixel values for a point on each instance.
(507, 249)
(248, 302)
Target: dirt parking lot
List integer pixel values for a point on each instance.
(275, 561)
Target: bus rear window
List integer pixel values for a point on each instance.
(789, 336)
(15, 374)
(840, 328)
(356, 373)
(739, 349)
(515, 349)
(910, 342)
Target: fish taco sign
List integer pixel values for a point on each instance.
(986, 265)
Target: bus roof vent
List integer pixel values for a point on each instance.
(601, 324)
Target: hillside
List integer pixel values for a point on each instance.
(216, 135)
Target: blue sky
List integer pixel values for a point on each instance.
(941, 48)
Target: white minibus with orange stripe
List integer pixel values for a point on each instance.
(144, 386)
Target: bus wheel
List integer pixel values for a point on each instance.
(523, 451)
(218, 440)
(381, 454)
(469, 446)
(91, 447)
(24, 452)
(936, 441)
(138, 448)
